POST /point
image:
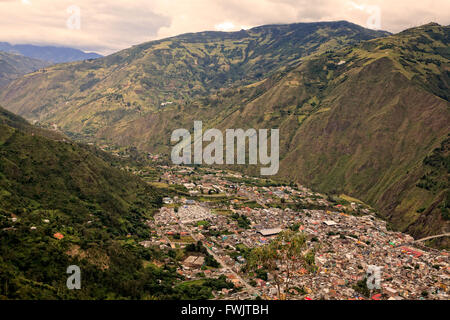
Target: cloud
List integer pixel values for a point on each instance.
(229, 26)
(108, 26)
(104, 26)
(225, 26)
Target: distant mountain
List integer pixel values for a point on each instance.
(84, 97)
(12, 66)
(48, 53)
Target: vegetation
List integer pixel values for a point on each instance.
(436, 178)
(242, 220)
(289, 250)
(175, 71)
(13, 65)
(202, 289)
(361, 287)
(49, 188)
(358, 110)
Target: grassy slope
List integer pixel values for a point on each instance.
(86, 97)
(364, 127)
(12, 66)
(359, 121)
(94, 205)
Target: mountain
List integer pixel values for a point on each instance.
(84, 97)
(12, 66)
(64, 204)
(48, 53)
(372, 130)
(368, 120)
(360, 112)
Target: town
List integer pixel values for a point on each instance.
(213, 219)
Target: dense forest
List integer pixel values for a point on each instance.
(63, 204)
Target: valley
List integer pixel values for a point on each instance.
(358, 111)
(360, 177)
(231, 215)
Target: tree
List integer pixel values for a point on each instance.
(361, 287)
(282, 257)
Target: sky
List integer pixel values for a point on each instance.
(108, 26)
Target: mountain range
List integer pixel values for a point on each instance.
(360, 112)
(137, 81)
(51, 54)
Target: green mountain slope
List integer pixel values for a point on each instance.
(12, 66)
(361, 120)
(49, 187)
(87, 96)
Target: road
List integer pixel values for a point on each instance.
(221, 262)
(425, 239)
(253, 197)
(224, 265)
(433, 237)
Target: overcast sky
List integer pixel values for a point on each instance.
(108, 26)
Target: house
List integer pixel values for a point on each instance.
(58, 236)
(270, 232)
(194, 261)
(194, 192)
(391, 292)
